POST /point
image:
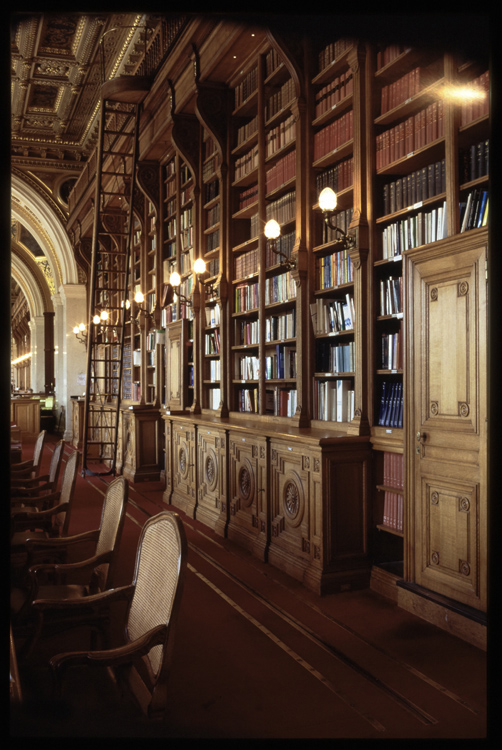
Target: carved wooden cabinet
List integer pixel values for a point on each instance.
(248, 521)
(25, 413)
(212, 500)
(182, 456)
(140, 445)
(318, 501)
(446, 538)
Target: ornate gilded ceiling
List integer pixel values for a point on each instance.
(56, 74)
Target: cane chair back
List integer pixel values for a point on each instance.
(31, 468)
(158, 583)
(62, 520)
(112, 521)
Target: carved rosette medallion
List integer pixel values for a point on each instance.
(435, 498)
(435, 558)
(183, 461)
(434, 294)
(464, 567)
(464, 505)
(463, 409)
(434, 408)
(291, 499)
(463, 288)
(211, 470)
(245, 485)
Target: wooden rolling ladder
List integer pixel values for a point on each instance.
(110, 267)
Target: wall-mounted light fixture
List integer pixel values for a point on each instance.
(327, 204)
(139, 298)
(199, 269)
(272, 233)
(81, 333)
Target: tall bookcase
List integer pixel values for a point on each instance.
(300, 342)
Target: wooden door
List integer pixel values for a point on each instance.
(446, 431)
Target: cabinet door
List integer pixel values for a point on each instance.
(446, 415)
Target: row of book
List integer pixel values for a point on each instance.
(212, 241)
(280, 288)
(414, 133)
(332, 52)
(474, 211)
(214, 370)
(342, 221)
(333, 400)
(247, 332)
(246, 87)
(393, 470)
(332, 315)
(334, 270)
(246, 131)
(281, 402)
(391, 404)
(415, 187)
(211, 190)
(280, 99)
(477, 105)
(272, 61)
(282, 209)
(332, 93)
(413, 231)
(246, 264)
(212, 216)
(171, 203)
(283, 244)
(474, 161)
(248, 367)
(210, 167)
(282, 326)
(334, 135)
(391, 295)
(393, 510)
(338, 177)
(246, 297)
(246, 163)
(248, 196)
(397, 92)
(212, 342)
(279, 136)
(280, 365)
(213, 398)
(392, 351)
(212, 313)
(283, 171)
(247, 400)
(334, 358)
(387, 54)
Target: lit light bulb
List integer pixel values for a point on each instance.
(272, 229)
(327, 199)
(81, 327)
(199, 266)
(76, 329)
(104, 315)
(175, 279)
(96, 320)
(139, 297)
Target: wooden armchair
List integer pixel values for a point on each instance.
(141, 662)
(33, 491)
(31, 467)
(30, 522)
(75, 580)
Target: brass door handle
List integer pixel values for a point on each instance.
(421, 437)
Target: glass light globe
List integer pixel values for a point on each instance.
(175, 279)
(76, 329)
(139, 297)
(272, 229)
(81, 327)
(96, 319)
(327, 199)
(199, 266)
(104, 315)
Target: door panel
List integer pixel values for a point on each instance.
(446, 430)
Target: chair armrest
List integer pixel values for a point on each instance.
(18, 512)
(96, 601)
(80, 566)
(22, 466)
(29, 481)
(112, 657)
(63, 541)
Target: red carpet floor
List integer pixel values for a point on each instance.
(259, 656)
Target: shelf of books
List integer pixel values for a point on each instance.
(212, 249)
(332, 310)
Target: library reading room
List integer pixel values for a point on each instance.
(249, 302)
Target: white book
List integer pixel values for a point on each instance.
(342, 388)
